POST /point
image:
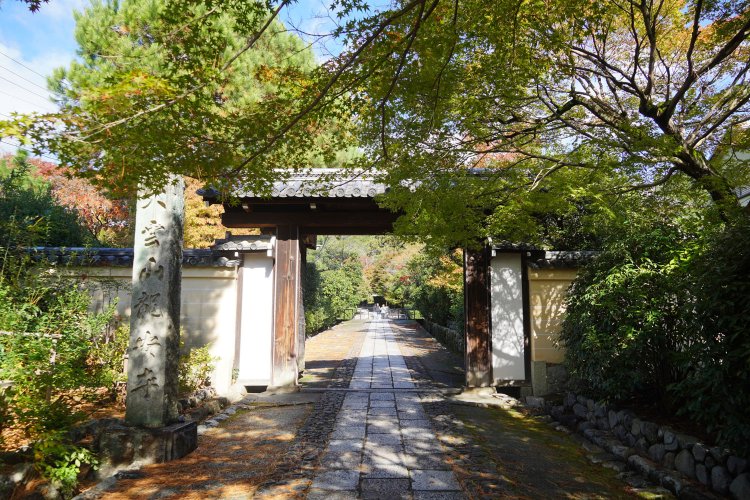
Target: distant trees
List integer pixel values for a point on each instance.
(73, 211)
(29, 213)
(333, 286)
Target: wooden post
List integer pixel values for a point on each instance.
(301, 310)
(286, 305)
(477, 311)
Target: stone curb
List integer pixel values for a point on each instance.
(676, 461)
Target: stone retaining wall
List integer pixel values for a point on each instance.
(656, 451)
(451, 339)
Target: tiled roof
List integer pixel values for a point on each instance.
(243, 244)
(219, 256)
(318, 183)
(561, 259)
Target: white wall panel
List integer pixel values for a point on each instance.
(256, 327)
(506, 281)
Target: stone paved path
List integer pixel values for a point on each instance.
(383, 445)
(375, 419)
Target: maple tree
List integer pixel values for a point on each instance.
(108, 220)
(203, 223)
(582, 100)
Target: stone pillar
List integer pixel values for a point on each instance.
(155, 308)
(477, 314)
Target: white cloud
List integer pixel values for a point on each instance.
(62, 9)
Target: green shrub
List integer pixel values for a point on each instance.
(108, 356)
(715, 388)
(195, 369)
(45, 355)
(60, 461)
(624, 325)
(665, 315)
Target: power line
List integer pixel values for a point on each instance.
(24, 88)
(20, 98)
(22, 64)
(23, 77)
(24, 149)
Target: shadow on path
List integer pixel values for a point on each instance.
(438, 366)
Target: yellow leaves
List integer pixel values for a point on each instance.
(265, 73)
(450, 277)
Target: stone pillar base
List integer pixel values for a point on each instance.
(121, 446)
(282, 389)
(479, 391)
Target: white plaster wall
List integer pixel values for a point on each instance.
(208, 311)
(548, 289)
(506, 282)
(256, 337)
(209, 316)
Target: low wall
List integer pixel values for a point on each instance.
(451, 339)
(547, 291)
(658, 452)
(209, 296)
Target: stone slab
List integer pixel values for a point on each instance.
(434, 480)
(392, 439)
(392, 488)
(342, 445)
(349, 432)
(439, 495)
(347, 480)
(382, 396)
(321, 494)
(383, 404)
(349, 460)
(385, 471)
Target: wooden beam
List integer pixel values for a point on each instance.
(477, 312)
(287, 283)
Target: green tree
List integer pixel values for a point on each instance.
(606, 96)
(29, 214)
(184, 88)
(333, 284)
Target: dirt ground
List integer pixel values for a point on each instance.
(231, 461)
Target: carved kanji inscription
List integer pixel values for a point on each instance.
(145, 382)
(147, 304)
(147, 343)
(152, 268)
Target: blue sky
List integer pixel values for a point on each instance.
(33, 44)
